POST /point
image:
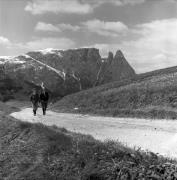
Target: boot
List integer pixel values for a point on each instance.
(43, 111)
(34, 111)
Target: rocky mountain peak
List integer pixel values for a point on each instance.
(119, 54)
(110, 57)
(120, 67)
(121, 60)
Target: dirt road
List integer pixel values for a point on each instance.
(159, 136)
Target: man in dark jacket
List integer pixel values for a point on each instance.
(44, 97)
(35, 101)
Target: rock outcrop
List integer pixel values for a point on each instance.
(110, 57)
(115, 68)
(120, 68)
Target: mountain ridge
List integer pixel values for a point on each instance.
(62, 71)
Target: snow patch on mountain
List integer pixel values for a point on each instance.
(6, 57)
(62, 73)
(16, 61)
(50, 51)
(11, 60)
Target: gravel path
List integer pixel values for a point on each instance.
(159, 136)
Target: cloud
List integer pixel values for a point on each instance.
(131, 2)
(41, 26)
(37, 7)
(56, 43)
(58, 6)
(16, 48)
(4, 41)
(68, 27)
(124, 2)
(153, 48)
(105, 28)
(118, 2)
(99, 27)
(156, 46)
(158, 40)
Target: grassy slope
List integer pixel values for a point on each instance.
(7, 109)
(34, 151)
(149, 95)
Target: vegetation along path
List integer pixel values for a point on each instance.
(159, 136)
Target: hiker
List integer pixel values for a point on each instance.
(35, 101)
(44, 97)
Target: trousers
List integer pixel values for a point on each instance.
(44, 106)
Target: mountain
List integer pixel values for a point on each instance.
(115, 68)
(120, 68)
(148, 95)
(64, 72)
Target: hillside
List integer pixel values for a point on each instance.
(34, 151)
(62, 71)
(149, 95)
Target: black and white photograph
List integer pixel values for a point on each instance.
(88, 89)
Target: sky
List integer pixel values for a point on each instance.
(144, 30)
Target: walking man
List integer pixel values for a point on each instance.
(44, 97)
(35, 101)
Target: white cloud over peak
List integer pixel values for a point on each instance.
(155, 47)
(4, 41)
(41, 26)
(156, 37)
(105, 28)
(56, 43)
(58, 6)
(36, 44)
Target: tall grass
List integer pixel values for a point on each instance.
(131, 98)
(34, 151)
